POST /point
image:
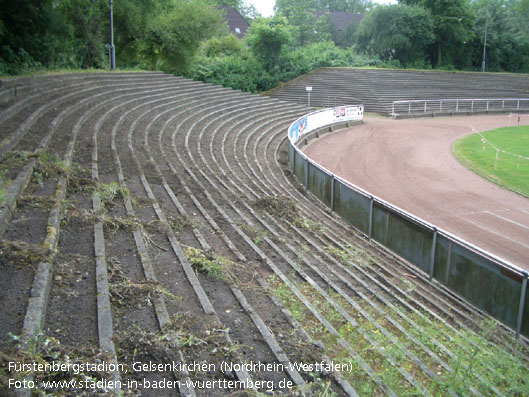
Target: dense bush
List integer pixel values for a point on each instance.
(239, 72)
(245, 72)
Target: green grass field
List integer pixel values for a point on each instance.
(507, 170)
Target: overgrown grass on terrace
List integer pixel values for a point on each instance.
(474, 362)
(508, 166)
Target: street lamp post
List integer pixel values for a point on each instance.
(485, 43)
(112, 53)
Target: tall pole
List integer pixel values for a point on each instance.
(112, 48)
(485, 43)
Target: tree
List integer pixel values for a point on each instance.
(172, 38)
(396, 32)
(290, 7)
(88, 22)
(23, 27)
(267, 38)
(453, 22)
(131, 18)
(505, 25)
(346, 38)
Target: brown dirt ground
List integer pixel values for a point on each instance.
(409, 163)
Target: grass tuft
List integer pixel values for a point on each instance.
(214, 265)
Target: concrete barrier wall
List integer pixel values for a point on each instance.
(491, 284)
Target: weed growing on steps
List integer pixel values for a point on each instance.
(281, 207)
(15, 160)
(257, 236)
(108, 192)
(81, 182)
(125, 292)
(214, 265)
(3, 185)
(310, 225)
(260, 237)
(410, 287)
(48, 166)
(112, 224)
(44, 202)
(351, 255)
(179, 222)
(199, 337)
(475, 362)
(42, 349)
(301, 255)
(22, 254)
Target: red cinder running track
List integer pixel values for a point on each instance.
(409, 163)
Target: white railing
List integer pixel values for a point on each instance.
(459, 105)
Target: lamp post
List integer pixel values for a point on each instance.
(485, 43)
(112, 52)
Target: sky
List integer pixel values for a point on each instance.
(266, 7)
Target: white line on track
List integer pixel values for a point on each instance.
(507, 219)
(495, 233)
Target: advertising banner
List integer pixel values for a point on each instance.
(322, 118)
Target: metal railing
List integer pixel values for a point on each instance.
(426, 106)
(487, 281)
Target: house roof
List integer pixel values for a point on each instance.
(237, 24)
(340, 18)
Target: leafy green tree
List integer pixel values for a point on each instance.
(453, 22)
(288, 7)
(23, 28)
(346, 38)
(521, 11)
(396, 32)
(311, 29)
(506, 28)
(172, 38)
(305, 23)
(131, 18)
(291, 8)
(89, 27)
(267, 39)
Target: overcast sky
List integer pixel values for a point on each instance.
(266, 7)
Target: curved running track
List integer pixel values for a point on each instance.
(409, 163)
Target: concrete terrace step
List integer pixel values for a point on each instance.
(377, 89)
